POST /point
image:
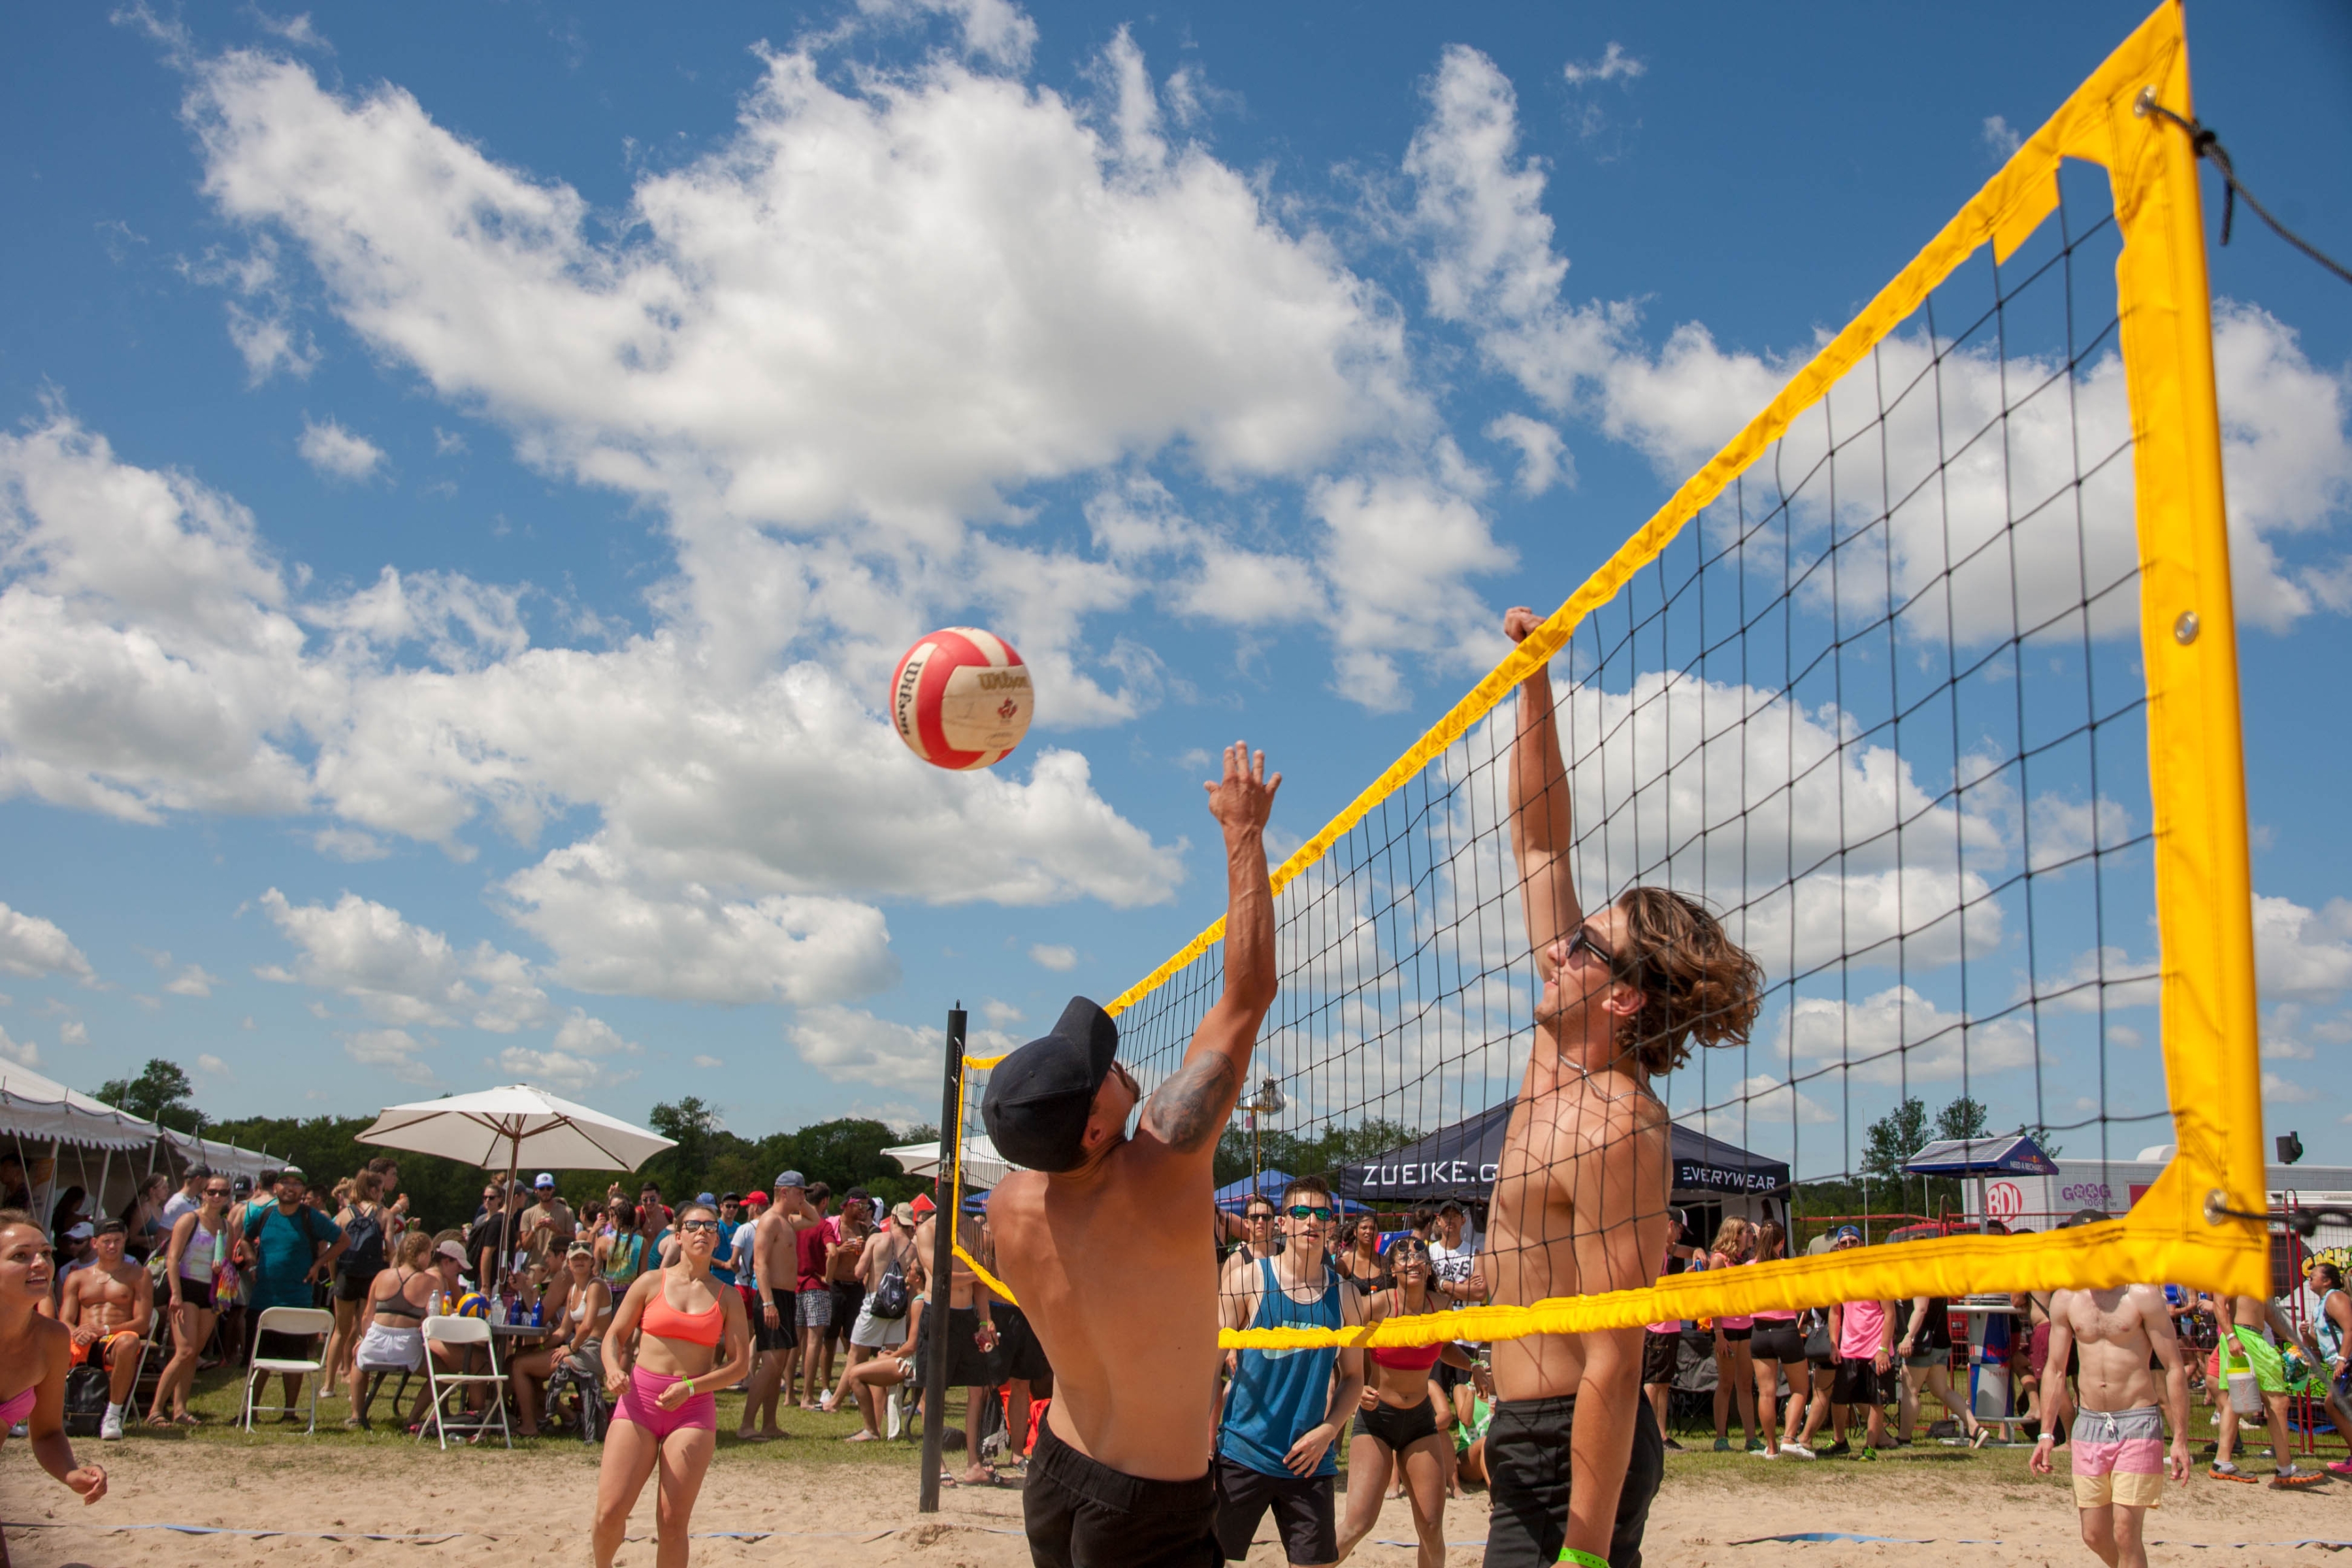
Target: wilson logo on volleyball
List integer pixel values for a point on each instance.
(961, 698)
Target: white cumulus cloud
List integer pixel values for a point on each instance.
(34, 947)
(192, 981)
(2303, 952)
(337, 453)
(403, 974)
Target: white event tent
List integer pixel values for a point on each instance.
(63, 1138)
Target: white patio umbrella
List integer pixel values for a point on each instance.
(506, 1129)
(983, 1165)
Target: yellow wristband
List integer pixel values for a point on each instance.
(1581, 1559)
(689, 1387)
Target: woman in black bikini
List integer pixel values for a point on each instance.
(36, 1350)
(1397, 1421)
(1361, 1261)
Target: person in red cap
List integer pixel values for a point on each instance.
(1099, 1236)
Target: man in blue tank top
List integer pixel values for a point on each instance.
(1286, 1407)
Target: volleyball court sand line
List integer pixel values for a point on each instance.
(530, 1510)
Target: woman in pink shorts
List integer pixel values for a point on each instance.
(695, 1339)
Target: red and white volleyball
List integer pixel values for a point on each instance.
(961, 698)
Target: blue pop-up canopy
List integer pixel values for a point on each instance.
(1234, 1194)
(2015, 1155)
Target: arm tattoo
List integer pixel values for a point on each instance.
(1189, 1110)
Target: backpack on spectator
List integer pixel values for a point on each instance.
(86, 1392)
(574, 1375)
(891, 1298)
(366, 1253)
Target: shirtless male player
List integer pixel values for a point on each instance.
(1100, 1238)
(108, 1306)
(1580, 1204)
(2117, 1437)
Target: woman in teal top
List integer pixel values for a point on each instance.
(621, 1256)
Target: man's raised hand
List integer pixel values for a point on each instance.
(1518, 621)
(1243, 798)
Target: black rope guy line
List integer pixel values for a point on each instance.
(2208, 147)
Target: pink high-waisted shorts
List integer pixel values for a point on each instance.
(640, 1406)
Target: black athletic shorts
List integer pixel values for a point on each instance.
(1018, 1354)
(968, 1366)
(1776, 1339)
(1081, 1513)
(848, 1296)
(1660, 1354)
(351, 1285)
(1305, 1511)
(1738, 1335)
(1859, 1383)
(1399, 1429)
(1528, 1483)
(786, 1333)
(196, 1292)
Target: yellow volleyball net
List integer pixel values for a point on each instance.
(1926, 684)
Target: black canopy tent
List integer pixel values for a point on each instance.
(1459, 1162)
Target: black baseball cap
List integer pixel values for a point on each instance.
(1039, 1097)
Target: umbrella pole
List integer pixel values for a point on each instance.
(505, 1225)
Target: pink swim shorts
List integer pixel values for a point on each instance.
(640, 1406)
(2119, 1457)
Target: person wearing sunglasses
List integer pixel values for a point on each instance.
(36, 1350)
(695, 1340)
(1099, 1234)
(1286, 1409)
(1580, 1200)
(1259, 1239)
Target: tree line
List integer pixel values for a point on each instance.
(843, 1152)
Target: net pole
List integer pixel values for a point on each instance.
(943, 1222)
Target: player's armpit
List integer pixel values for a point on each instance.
(1189, 1110)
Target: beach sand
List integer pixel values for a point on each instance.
(814, 1501)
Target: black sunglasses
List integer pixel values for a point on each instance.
(1585, 942)
(1308, 1211)
(708, 1225)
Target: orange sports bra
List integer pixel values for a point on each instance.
(665, 1321)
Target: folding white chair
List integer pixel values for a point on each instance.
(299, 1323)
(442, 1385)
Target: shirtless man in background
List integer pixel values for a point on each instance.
(972, 1331)
(2245, 1323)
(775, 1324)
(2117, 1437)
(1573, 1452)
(1100, 1239)
(108, 1307)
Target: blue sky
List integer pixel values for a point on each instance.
(470, 469)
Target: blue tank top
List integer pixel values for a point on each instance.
(1277, 1395)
